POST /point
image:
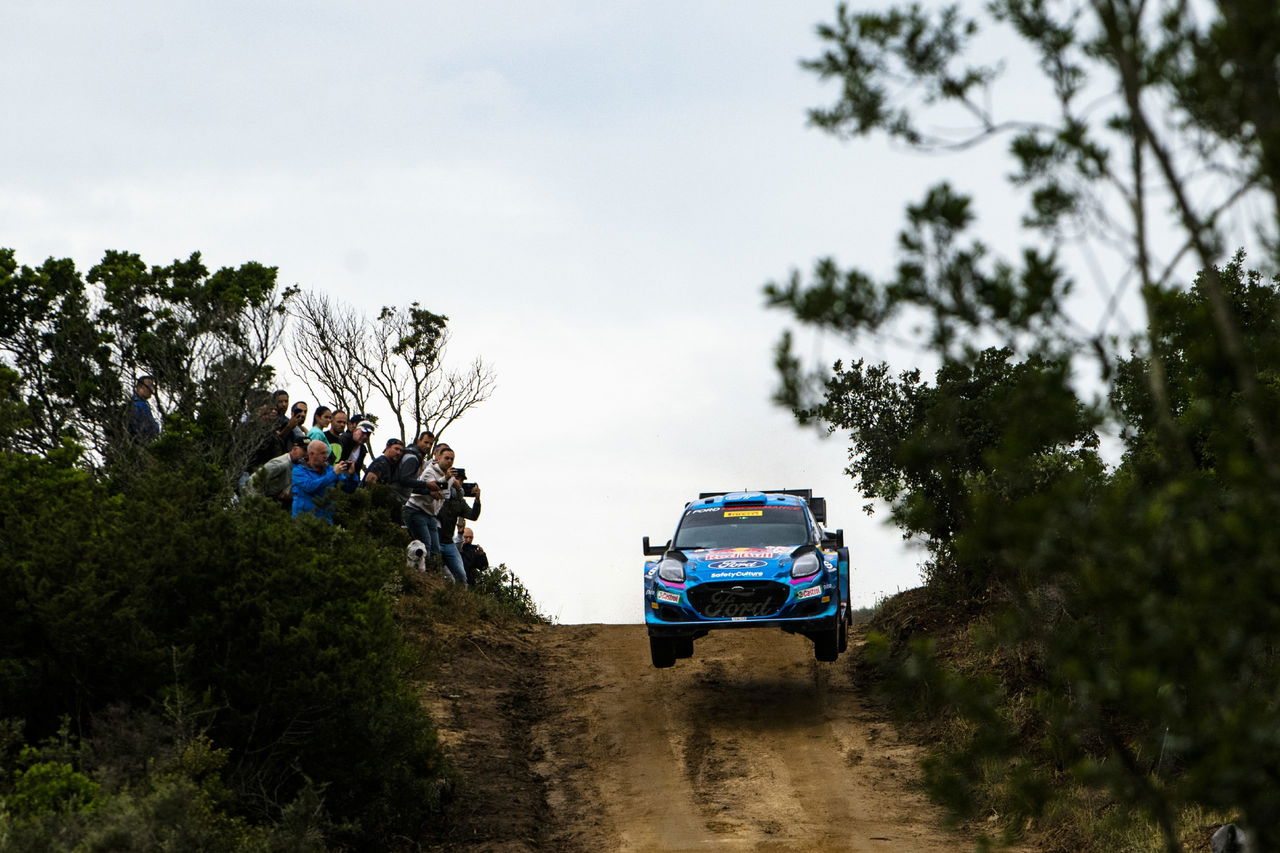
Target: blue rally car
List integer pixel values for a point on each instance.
(748, 560)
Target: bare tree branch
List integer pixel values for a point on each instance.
(395, 358)
(326, 338)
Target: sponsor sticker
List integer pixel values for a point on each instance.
(740, 554)
(803, 594)
(738, 564)
(736, 574)
(738, 513)
(704, 509)
(668, 597)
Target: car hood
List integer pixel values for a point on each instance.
(725, 564)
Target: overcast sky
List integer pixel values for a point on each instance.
(593, 193)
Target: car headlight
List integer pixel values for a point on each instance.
(805, 565)
(672, 570)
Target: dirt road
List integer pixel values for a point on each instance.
(750, 745)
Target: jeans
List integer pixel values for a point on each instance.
(423, 527)
(453, 563)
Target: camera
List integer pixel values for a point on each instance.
(468, 490)
(460, 473)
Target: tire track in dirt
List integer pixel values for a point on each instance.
(749, 745)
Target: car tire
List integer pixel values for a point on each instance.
(826, 645)
(663, 652)
(682, 647)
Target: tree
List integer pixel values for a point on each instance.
(1110, 585)
(397, 359)
(1153, 110)
(927, 450)
(78, 343)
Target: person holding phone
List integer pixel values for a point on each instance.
(313, 479)
(429, 490)
(452, 510)
(353, 447)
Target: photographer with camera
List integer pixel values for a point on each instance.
(313, 479)
(427, 490)
(452, 510)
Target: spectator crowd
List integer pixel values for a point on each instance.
(298, 468)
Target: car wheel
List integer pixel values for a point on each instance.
(682, 647)
(826, 645)
(662, 651)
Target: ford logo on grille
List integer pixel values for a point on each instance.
(737, 564)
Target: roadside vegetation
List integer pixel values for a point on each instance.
(181, 669)
(1094, 652)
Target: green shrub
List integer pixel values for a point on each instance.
(50, 786)
(280, 627)
(501, 584)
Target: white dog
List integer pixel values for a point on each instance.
(415, 556)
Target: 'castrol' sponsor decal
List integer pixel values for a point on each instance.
(738, 564)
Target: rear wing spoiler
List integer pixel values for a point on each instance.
(817, 506)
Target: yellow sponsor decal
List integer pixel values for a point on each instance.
(735, 513)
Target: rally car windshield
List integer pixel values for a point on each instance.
(742, 527)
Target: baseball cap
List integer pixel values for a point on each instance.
(367, 426)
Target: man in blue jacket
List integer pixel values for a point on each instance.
(142, 423)
(313, 479)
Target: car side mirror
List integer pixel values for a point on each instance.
(833, 537)
(654, 550)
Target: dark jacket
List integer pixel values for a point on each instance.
(384, 468)
(142, 424)
(352, 451)
(453, 509)
(474, 561)
(406, 480)
(271, 445)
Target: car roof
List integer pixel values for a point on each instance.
(731, 498)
